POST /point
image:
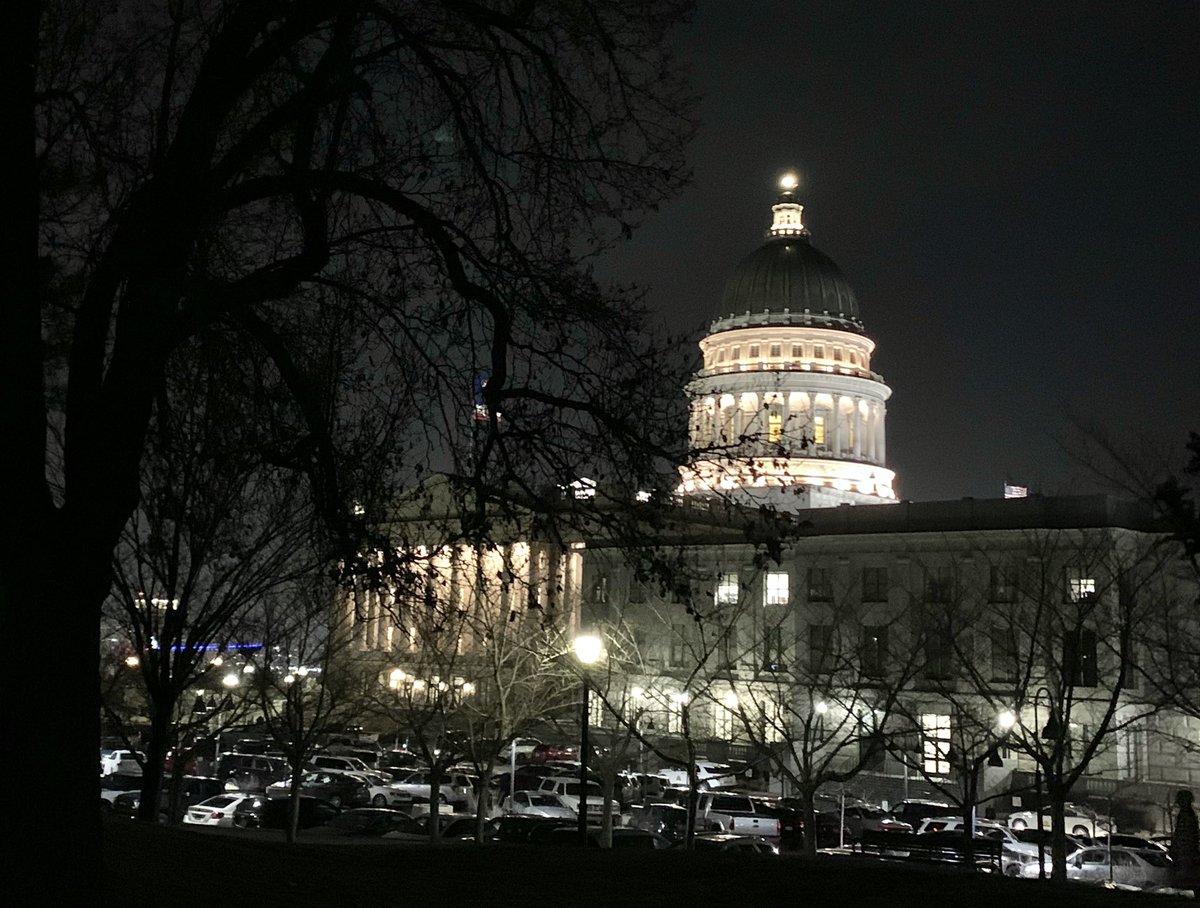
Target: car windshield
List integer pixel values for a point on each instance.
(543, 801)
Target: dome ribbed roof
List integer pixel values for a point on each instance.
(788, 272)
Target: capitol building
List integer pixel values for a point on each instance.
(785, 609)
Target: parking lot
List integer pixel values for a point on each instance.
(188, 867)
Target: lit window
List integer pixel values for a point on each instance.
(774, 427)
(754, 351)
(837, 354)
(935, 744)
(776, 351)
(797, 351)
(775, 591)
(818, 352)
(874, 650)
(721, 355)
(736, 354)
(727, 589)
(853, 358)
(1080, 586)
(818, 430)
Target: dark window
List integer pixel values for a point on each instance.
(1002, 583)
(820, 647)
(773, 650)
(939, 584)
(1079, 658)
(939, 653)
(874, 584)
(820, 585)
(874, 650)
(678, 647)
(1004, 653)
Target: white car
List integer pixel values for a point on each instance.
(455, 787)
(383, 793)
(567, 789)
(338, 763)
(523, 748)
(708, 775)
(537, 804)
(216, 811)
(1143, 869)
(1077, 822)
(126, 761)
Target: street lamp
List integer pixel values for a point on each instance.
(587, 651)
(1048, 733)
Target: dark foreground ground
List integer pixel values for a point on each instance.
(181, 868)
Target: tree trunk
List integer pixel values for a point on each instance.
(290, 828)
(156, 756)
(810, 820)
(608, 784)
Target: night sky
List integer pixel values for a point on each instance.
(1010, 188)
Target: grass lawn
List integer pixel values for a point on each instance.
(183, 867)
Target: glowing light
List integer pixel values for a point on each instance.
(730, 700)
(788, 181)
(1006, 719)
(132, 661)
(680, 698)
(468, 688)
(231, 680)
(636, 693)
(289, 678)
(822, 707)
(587, 648)
(418, 684)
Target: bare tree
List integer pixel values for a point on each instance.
(434, 172)
(306, 688)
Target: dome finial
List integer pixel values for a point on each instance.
(787, 220)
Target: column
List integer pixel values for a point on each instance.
(858, 429)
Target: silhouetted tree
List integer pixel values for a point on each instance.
(426, 177)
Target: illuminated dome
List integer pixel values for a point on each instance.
(786, 410)
(789, 273)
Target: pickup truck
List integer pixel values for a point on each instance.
(732, 812)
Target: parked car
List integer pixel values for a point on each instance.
(115, 784)
(261, 812)
(708, 775)
(666, 820)
(372, 822)
(340, 762)
(193, 790)
(450, 827)
(860, 818)
(542, 752)
(791, 821)
(215, 811)
(1079, 821)
(513, 828)
(1014, 853)
(454, 787)
(1124, 840)
(1145, 869)
(914, 810)
(338, 788)
(727, 841)
(623, 837)
(537, 804)
(523, 747)
(381, 791)
(568, 790)
(266, 769)
(123, 761)
(399, 762)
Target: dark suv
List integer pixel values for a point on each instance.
(261, 812)
(667, 820)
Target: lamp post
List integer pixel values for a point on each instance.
(587, 651)
(1037, 776)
